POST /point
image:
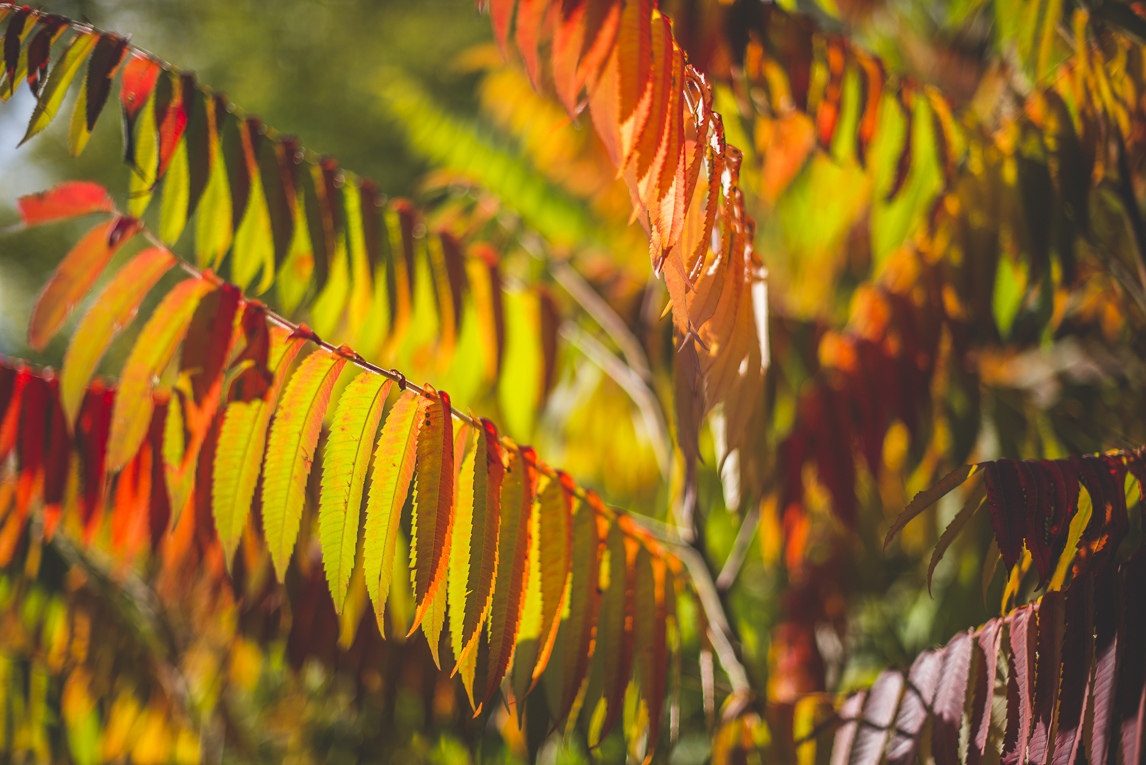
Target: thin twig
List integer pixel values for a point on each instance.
(735, 560)
(602, 313)
(638, 391)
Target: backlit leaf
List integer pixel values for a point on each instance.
(433, 516)
(580, 625)
(242, 441)
(555, 510)
(290, 451)
(389, 484)
(473, 554)
(927, 498)
(74, 278)
(105, 62)
(68, 200)
(113, 309)
(345, 460)
(152, 350)
(517, 492)
(949, 699)
(61, 77)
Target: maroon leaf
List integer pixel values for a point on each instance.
(105, 61)
(1077, 648)
(30, 440)
(988, 640)
(209, 340)
(94, 427)
(13, 44)
(1050, 613)
(878, 713)
(39, 51)
(1005, 500)
(949, 699)
(254, 380)
(197, 139)
(57, 450)
(455, 273)
(1107, 606)
(277, 165)
(922, 681)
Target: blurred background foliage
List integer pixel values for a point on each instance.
(415, 96)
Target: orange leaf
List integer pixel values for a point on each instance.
(433, 502)
(68, 200)
(75, 276)
(513, 551)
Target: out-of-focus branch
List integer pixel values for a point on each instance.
(602, 313)
(638, 390)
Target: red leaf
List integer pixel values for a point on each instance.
(30, 439)
(922, 681)
(68, 200)
(949, 698)
(1005, 501)
(139, 76)
(9, 425)
(501, 14)
(903, 166)
(170, 121)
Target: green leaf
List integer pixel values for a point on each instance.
(254, 245)
(173, 207)
(131, 415)
(213, 227)
(389, 485)
(242, 441)
(141, 185)
(58, 81)
(112, 310)
(473, 554)
(290, 451)
(555, 509)
(344, 463)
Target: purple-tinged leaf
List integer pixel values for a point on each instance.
(949, 699)
(846, 733)
(878, 713)
(1131, 703)
(1050, 616)
(922, 681)
(1107, 606)
(1005, 500)
(988, 640)
(1022, 655)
